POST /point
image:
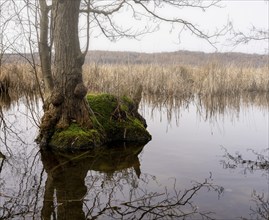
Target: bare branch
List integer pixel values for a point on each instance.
(186, 24)
(103, 12)
(254, 34)
(150, 11)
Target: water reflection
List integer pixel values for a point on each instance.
(2, 158)
(117, 183)
(208, 107)
(5, 101)
(256, 162)
(116, 188)
(21, 186)
(105, 183)
(67, 173)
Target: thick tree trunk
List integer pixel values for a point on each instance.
(66, 103)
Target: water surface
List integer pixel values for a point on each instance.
(206, 159)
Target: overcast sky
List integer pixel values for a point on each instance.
(243, 14)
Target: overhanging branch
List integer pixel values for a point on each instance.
(103, 12)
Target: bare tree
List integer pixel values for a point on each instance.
(58, 25)
(65, 102)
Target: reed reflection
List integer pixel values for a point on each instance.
(5, 101)
(208, 107)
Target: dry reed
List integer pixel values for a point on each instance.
(214, 88)
(21, 80)
(163, 81)
(176, 81)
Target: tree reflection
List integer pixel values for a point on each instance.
(20, 186)
(67, 181)
(259, 163)
(104, 183)
(67, 173)
(2, 158)
(5, 102)
(107, 183)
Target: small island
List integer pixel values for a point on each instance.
(114, 119)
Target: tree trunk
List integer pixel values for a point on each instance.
(44, 48)
(66, 104)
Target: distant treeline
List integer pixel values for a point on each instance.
(178, 57)
(165, 58)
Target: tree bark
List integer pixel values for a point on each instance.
(67, 103)
(44, 48)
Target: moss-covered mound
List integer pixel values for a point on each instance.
(114, 119)
(75, 137)
(119, 118)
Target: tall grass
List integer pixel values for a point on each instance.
(163, 81)
(20, 80)
(214, 88)
(177, 81)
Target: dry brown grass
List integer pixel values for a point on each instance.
(20, 80)
(162, 81)
(215, 89)
(176, 81)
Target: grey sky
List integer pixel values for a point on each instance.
(243, 14)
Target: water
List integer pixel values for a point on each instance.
(205, 160)
(191, 147)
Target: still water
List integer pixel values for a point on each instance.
(205, 160)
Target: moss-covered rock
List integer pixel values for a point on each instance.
(113, 118)
(119, 118)
(75, 137)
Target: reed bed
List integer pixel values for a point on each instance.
(176, 81)
(162, 81)
(19, 80)
(215, 89)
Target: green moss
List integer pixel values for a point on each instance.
(114, 119)
(75, 137)
(103, 105)
(127, 104)
(118, 117)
